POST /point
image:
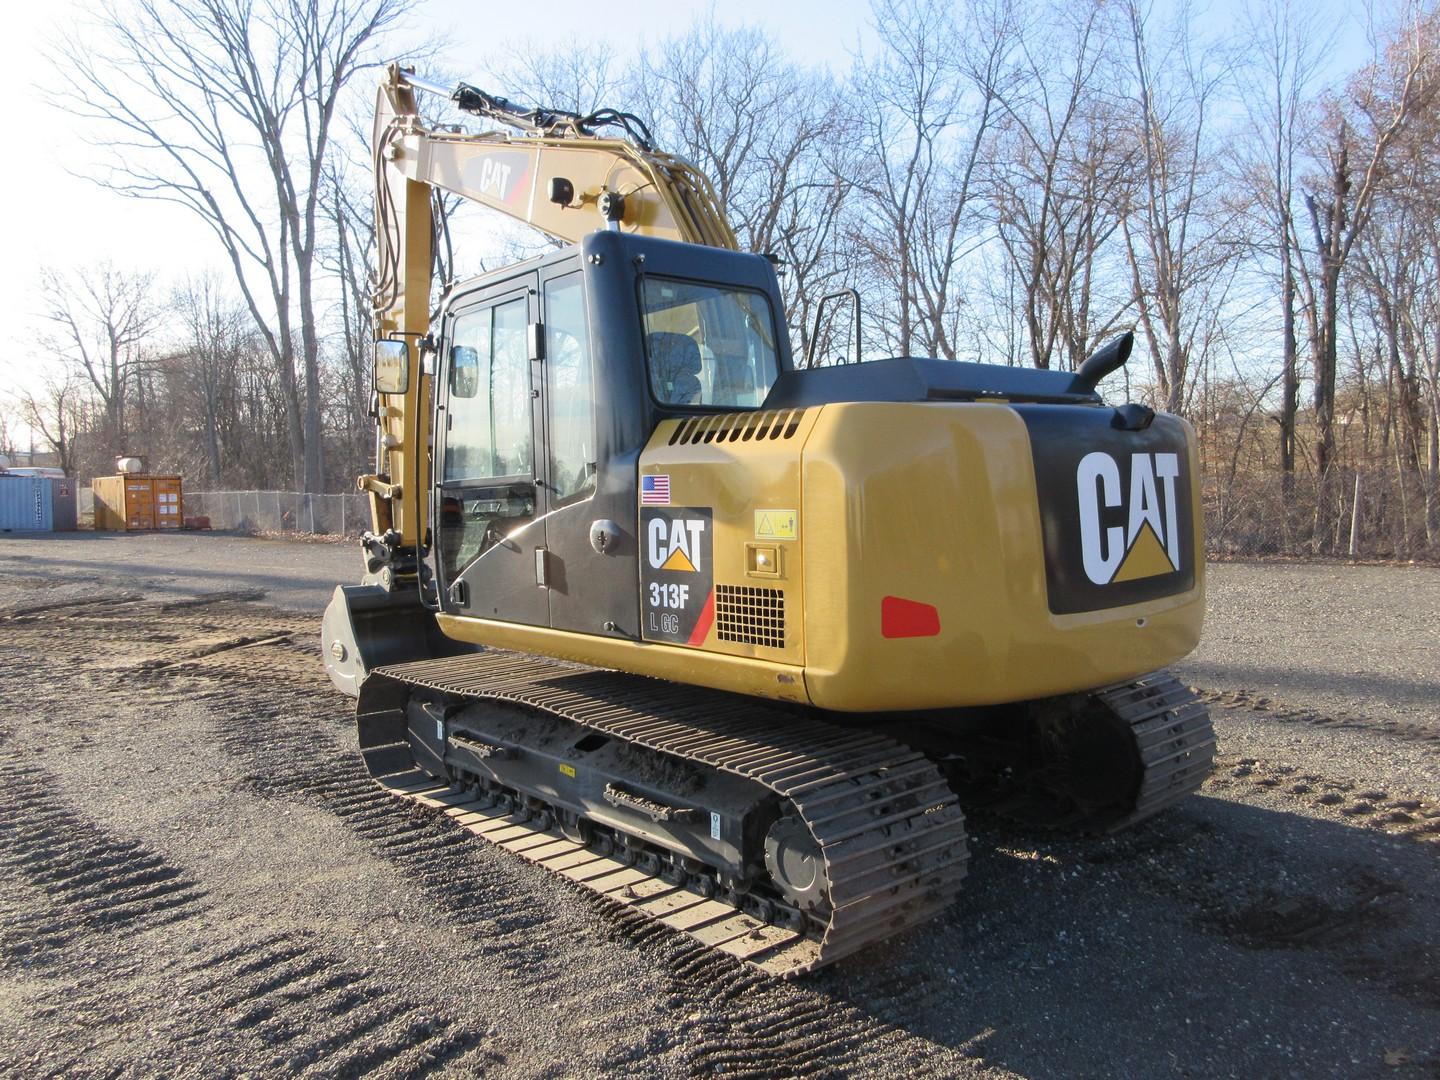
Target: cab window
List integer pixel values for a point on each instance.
(489, 399)
(488, 487)
(569, 392)
(708, 345)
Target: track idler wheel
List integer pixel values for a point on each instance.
(1105, 760)
(1087, 758)
(796, 864)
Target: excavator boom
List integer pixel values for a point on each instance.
(554, 173)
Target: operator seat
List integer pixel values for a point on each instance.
(732, 380)
(675, 367)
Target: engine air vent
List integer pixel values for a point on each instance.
(750, 615)
(738, 427)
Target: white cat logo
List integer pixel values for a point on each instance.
(676, 544)
(499, 175)
(1149, 543)
(494, 178)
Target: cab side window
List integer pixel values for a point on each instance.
(489, 399)
(570, 392)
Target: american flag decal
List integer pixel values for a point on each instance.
(655, 490)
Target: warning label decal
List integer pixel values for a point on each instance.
(777, 525)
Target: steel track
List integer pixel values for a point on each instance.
(887, 825)
(1173, 734)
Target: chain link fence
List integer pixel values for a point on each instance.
(281, 511)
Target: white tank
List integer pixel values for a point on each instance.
(129, 464)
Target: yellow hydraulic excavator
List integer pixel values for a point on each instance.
(724, 637)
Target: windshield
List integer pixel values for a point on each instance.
(708, 344)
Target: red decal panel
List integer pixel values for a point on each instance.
(907, 618)
(702, 623)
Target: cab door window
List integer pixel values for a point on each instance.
(489, 400)
(569, 394)
(488, 475)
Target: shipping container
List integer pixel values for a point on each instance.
(63, 492)
(25, 504)
(133, 502)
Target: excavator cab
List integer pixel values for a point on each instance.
(547, 380)
(551, 378)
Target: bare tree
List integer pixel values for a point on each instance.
(226, 107)
(216, 332)
(1177, 224)
(9, 418)
(1359, 132)
(1276, 86)
(101, 320)
(1397, 269)
(578, 74)
(349, 258)
(925, 102)
(55, 412)
(1427, 334)
(1058, 166)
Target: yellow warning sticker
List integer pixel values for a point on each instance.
(568, 770)
(777, 525)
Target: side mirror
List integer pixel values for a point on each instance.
(392, 367)
(464, 371)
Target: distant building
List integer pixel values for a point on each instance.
(37, 470)
(20, 460)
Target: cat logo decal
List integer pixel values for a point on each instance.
(1145, 541)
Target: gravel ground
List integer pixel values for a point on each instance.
(1360, 641)
(197, 879)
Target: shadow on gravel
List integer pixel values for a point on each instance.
(1353, 685)
(1220, 939)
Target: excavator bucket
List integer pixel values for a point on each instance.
(367, 626)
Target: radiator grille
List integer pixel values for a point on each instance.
(750, 615)
(738, 427)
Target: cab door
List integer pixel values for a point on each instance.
(589, 473)
(488, 507)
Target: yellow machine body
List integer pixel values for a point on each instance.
(842, 510)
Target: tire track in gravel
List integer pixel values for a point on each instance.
(1413, 817)
(91, 880)
(75, 899)
(738, 1022)
(311, 1010)
(1403, 730)
(320, 1014)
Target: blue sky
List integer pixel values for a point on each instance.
(56, 219)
